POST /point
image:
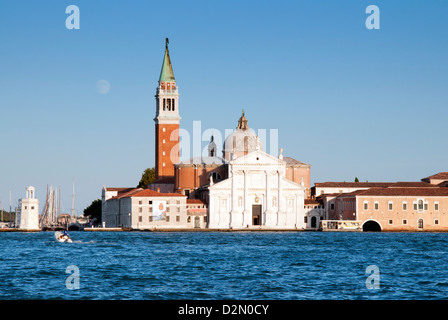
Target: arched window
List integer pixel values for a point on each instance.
(420, 223)
(420, 204)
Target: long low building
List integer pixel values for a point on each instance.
(142, 209)
(399, 206)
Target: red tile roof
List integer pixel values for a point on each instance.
(443, 184)
(120, 190)
(313, 202)
(423, 192)
(416, 184)
(353, 184)
(439, 176)
(195, 201)
(126, 194)
(292, 161)
(139, 192)
(152, 193)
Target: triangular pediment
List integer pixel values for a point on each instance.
(224, 184)
(257, 157)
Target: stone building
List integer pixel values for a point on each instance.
(140, 209)
(388, 206)
(28, 211)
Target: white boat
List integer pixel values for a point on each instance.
(61, 238)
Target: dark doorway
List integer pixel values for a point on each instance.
(371, 226)
(313, 222)
(256, 214)
(197, 222)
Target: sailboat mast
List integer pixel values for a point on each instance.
(10, 206)
(73, 200)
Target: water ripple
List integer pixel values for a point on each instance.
(212, 265)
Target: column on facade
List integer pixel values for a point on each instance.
(280, 196)
(234, 207)
(247, 211)
(297, 210)
(268, 199)
(233, 202)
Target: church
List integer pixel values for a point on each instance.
(244, 188)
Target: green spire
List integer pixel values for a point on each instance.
(167, 73)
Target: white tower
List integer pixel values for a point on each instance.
(29, 211)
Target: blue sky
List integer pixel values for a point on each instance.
(351, 102)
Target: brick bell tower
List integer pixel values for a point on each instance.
(166, 123)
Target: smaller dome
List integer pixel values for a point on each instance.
(241, 141)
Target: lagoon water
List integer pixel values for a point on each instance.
(228, 265)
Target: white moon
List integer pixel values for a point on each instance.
(102, 86)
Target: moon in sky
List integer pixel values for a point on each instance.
(102, 86)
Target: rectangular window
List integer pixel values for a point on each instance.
(167, 218)
(415, 206)
(167, 209)
(139, 209)
(140, 202)
(436, 206)
(178, 209)
(305, 219)
(32, 208)
(405, 221)
(391, 222)
(150, 219)
(405, 206)
(177, 218)
(150, 202)
(377, 206)
(391, 205)
(140, 219)
(332, 206)
(177, 201)
(150, 209)
(436, 221)
(426, 206)
(366, 205)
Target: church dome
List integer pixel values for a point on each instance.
(241, 141)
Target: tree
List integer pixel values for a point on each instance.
(356, 179)
(94, 211)
(148, 176)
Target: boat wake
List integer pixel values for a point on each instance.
(84, 242)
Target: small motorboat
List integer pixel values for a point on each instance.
(61, 237)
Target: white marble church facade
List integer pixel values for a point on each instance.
(256, 195)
